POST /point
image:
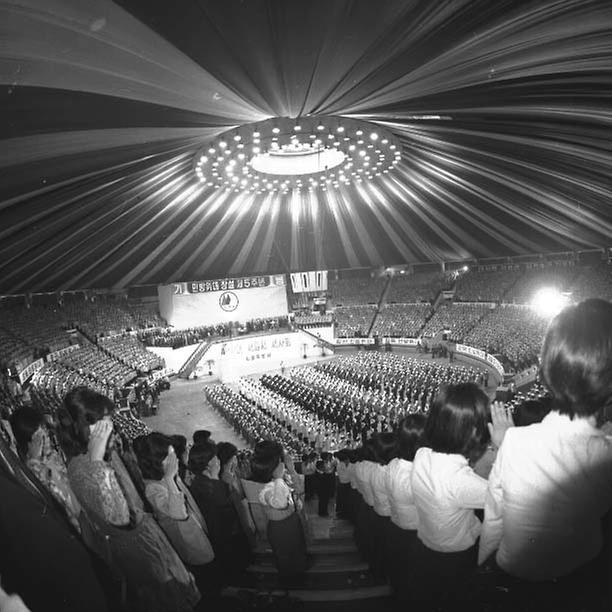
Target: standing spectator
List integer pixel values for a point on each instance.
(285, 530)
(174, 507)
(551, 483)
(447, 491)
(213, 498)
(325, 480)
(402, 529)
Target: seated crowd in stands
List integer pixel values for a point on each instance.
(401, 320)
(354, 321)
(418, 287)
(356, 291)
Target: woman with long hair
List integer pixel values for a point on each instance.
(129, 539)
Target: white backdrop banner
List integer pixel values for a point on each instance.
(209, 302)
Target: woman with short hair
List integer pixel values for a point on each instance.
(284, 530)
(174, 507)
(551, 482)
(401, 530)
(447, 491)
(212, 497)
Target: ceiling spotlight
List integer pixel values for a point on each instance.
(320, 127)
(203, 159)
(297, 128)
(373, 136)
(340, 129)
(359, 132)
(275, 130)
(256, 134)
(211, 151)
(237, 137)
(223, 144)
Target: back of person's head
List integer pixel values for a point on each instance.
(200, 456)
(24, 423)
(368, 452)
(151, 450)
(82, 407)
(576, 359)
(384, 446)
(410, 435)
(266, 457)
(326, 456)
(201, 436)
(531, 411)
(342, 455)
(457, 421)
(225, 451)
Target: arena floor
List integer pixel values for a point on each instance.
(184, 409)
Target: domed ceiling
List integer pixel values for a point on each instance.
(502, 111)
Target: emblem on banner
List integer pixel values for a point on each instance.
(228, 301)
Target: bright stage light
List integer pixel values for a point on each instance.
(549, 301)
(273, 148)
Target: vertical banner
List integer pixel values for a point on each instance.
(305, 282)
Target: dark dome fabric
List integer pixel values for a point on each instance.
(503, 109)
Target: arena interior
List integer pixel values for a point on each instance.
(254, 253)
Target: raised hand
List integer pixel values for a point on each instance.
(99, 434)
(501, 421)
(170, 465)
(36, 447)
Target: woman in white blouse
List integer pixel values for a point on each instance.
(401, 533)
(274, 469)
(447, 491)
(385, 449)
(551, 483)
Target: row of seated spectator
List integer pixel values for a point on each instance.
(177, 338)
(458, 318)
(311, 319)
(353, 321)
(401, 320)
(513, 332)
(485, 285)
(418, 287)
(592, 281)
(355, 291)
(131, 352)
(29, 333)
(101, 317)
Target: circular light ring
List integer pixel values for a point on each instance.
(237, 148)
